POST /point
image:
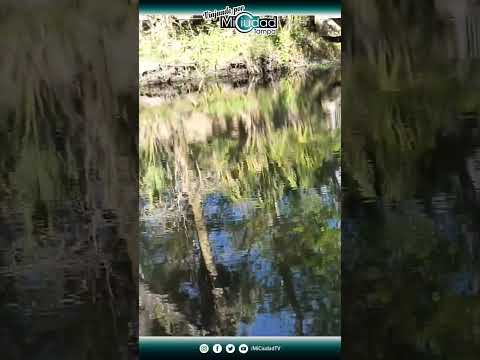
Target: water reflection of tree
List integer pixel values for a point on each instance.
(68, 238)
(265, 145)
(409, 249)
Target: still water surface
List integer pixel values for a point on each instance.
(240, 211)
(411, 189)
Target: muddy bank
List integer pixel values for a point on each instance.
(168, 74)
(161, 91)
(168, 81)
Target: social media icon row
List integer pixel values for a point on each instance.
(204, 348)
(217, 348)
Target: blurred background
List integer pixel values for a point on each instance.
(410, 178)
(69, 180)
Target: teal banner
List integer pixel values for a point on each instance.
(177, 348)
(304, 7)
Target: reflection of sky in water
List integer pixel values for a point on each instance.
(281, 323)
(264, 254)
(189, 289)
(225, 252)
(267, 321)
(216, 204)
(273, 313)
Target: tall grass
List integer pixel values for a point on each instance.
(409, 99)
(65, 131)
(284, 142)
(210, 48)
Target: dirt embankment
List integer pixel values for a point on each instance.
(189, 77)
(168, 81)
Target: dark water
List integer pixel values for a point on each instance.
(68, 181)
(241, 213)
(411, 189)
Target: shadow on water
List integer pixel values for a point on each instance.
(68, 181)
(410, 155)
(240, 210)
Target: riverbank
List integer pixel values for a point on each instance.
(170, 81)
(189, 52)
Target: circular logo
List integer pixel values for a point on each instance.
(244, 22)
(217, 348)
(243, 348)
(230, 348)
(203, 348)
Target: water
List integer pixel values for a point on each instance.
(410, 225)
(68, 184)
(241, 210)
(410, 170)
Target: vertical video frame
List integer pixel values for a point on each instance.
(239, 174)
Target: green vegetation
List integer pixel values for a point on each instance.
(268, 158)
(409, 99)
(65, 76)
(410, 193)
(266, 140)
(43, 153)
(209, 49)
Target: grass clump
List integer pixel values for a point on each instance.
(209, 48)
